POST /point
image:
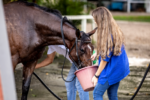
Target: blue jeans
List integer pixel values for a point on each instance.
(74, 86)
(100, 89)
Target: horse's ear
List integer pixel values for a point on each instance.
(92, 32)
(65, 18)
(78, 34)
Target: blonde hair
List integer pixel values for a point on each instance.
(109, 36)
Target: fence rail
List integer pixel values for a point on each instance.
(83, 19)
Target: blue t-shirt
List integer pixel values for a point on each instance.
(116, 69)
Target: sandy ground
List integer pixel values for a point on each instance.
(137, 36)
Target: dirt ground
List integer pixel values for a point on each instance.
(137, 36)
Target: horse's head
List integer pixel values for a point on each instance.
(81, 52)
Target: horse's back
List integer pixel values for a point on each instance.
(19, 28)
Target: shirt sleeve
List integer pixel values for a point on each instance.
(60, 49)
(108, 57)
(50, 50)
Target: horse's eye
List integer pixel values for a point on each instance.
(82, 51)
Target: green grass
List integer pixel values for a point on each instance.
(133, 18)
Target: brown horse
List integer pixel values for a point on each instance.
(31, 28)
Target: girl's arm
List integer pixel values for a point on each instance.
(101, 67)
(93, 56)
(48, 60)
(98, 72)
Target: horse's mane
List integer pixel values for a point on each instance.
(53, 11)
(56, 12)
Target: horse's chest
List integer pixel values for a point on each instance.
(34, 55)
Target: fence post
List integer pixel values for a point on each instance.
(128, 6)
(147, 6)
(83, 24)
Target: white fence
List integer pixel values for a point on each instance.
(83, 19)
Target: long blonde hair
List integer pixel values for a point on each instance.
(109, 36)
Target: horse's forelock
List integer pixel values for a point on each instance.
(85, 37)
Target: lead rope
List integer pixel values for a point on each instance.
(61, 71)
(62, 33)
(141, 83)
(130, 99)
(46, 87)
(62, 67)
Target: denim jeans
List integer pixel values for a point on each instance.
(74, 86)
(100, 89)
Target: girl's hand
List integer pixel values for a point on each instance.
(93, 56)
(94, 80)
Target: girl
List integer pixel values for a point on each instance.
(113, 60)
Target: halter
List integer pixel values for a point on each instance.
(75, 44)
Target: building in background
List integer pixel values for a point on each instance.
(122, 5)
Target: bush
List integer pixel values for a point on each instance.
(69, 7)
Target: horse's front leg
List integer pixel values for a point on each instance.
(27, 73)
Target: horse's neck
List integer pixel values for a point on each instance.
(49, 27)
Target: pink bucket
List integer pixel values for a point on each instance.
(85, 76)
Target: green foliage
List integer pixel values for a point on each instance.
(39, 2)
(133, 18)
(69, 7)
(66, 7)
(7, 1)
